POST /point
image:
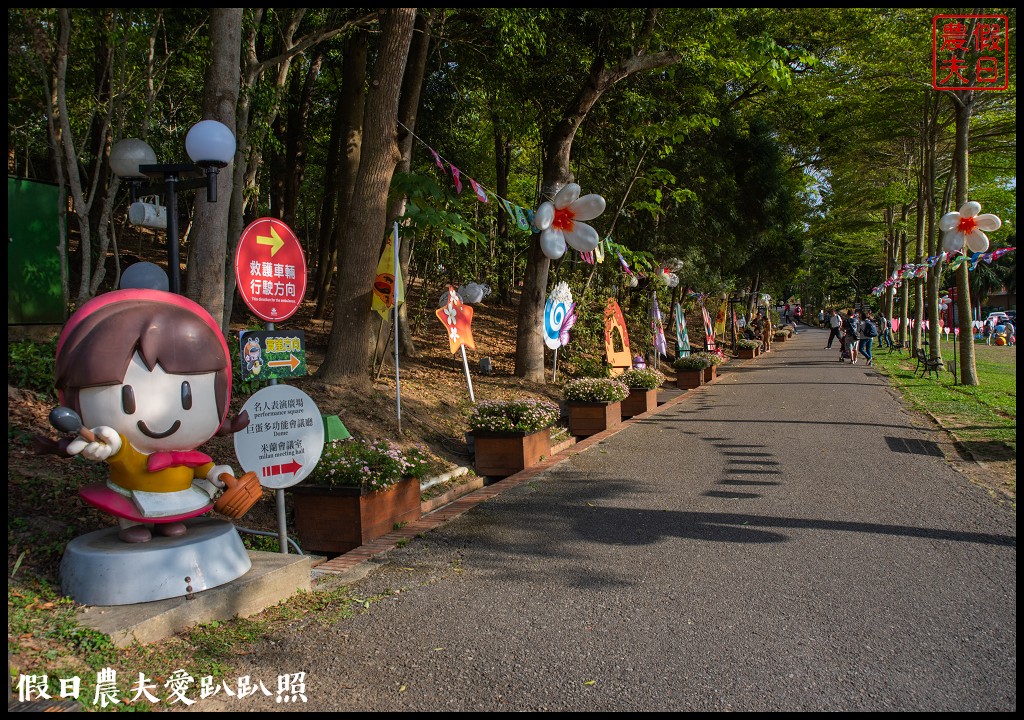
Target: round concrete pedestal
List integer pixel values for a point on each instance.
(99, 569)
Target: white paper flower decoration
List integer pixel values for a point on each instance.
(966, 226)
(668, 277)
(559, 221)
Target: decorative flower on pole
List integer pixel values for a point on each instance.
(559, 221)
(965, 227)
(559, 316)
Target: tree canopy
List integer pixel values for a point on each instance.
(798, 151)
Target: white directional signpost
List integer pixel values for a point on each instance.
(285, 436)
(270, 270)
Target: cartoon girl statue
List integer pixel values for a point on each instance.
(148, 373)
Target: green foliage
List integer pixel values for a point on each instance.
(36, 609)
(592, 366)
(985, 412)
(263, 543)
(427, 210)
(30, 365)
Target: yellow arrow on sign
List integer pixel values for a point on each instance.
(292, 361)
(274, 241)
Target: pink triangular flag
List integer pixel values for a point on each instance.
(480, 194)
(457, 177)
(437, 159)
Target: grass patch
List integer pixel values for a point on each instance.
(45, 639)
(982, 418)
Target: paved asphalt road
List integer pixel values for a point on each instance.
(788, 538)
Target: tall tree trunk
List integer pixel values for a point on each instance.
(904, 288)
(502, 158)
(919, 282)
(890, 260)
(329, 204)
(350, 348)
(297, 116)
(556, 173)
(963, 104)
(929, 141)
(754, 290)
(408, 108)
(248, 137)
(353, 77)
(207, 264)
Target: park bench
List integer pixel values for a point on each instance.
(927, 364)
(898, 346)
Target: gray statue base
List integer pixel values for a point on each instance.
(99, 569)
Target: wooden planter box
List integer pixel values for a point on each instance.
(590, 418)
(504, 454)
(639, 402)
(746, 353)
(688, 379)
(339, 519)
(710, 373)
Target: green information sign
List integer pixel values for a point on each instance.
(272, 354)
(34, 295)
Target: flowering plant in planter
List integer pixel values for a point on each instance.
(524, 415)
(595, 390)
(713, 358)
(782, 334)
(748, 344)
(693, 361)
(370, 465)
(642, 379)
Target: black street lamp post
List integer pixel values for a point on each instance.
(210, 145)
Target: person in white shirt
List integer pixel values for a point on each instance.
(835, 322)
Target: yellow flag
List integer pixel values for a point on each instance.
(720, 318)
(385, 290)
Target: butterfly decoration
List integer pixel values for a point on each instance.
(570, 320)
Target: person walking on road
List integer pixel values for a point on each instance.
(884, 331)
(835, 324)
(821, 318)
(851, 336)
(867, 331)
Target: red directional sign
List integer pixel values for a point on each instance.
(270, 269)
(288, 468)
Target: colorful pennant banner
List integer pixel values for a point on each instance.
(910, 271)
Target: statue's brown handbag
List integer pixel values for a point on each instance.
(239, 496)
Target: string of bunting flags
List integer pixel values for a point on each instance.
(522, 218)
(911, 271)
